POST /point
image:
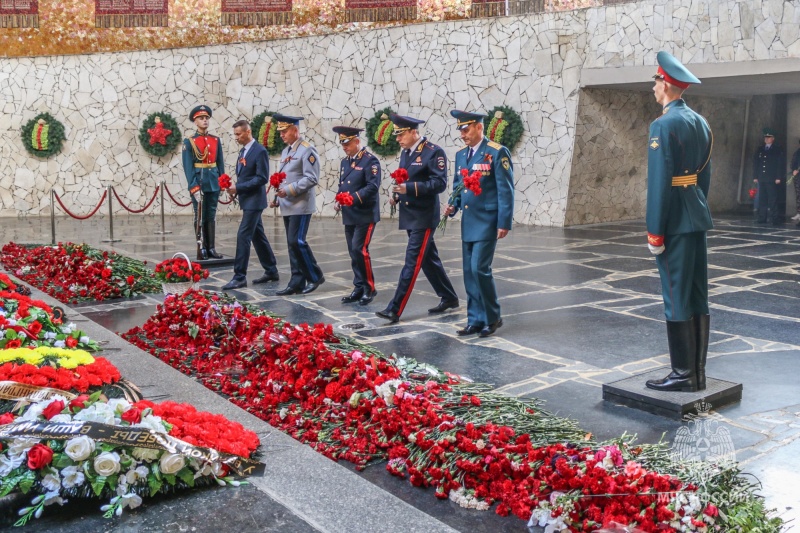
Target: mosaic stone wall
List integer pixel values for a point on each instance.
(532, 64)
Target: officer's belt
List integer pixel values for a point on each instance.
(205, 165)
(684, 181)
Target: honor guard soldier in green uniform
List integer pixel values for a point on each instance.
(485, 218)
(359, 175)
(678, 178)
(203, 165)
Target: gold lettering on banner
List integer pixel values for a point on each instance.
(12, 390)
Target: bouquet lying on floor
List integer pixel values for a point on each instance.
(115, 450)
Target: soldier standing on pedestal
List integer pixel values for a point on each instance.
(203, 165)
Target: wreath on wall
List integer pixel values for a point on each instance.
(266, 132)
(504, 126)
(43, 135)
(159, 134)
(379, 134)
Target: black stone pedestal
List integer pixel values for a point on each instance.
(211, 262)
(632, 392)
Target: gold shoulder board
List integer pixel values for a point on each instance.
(305, 143)
(494, 145)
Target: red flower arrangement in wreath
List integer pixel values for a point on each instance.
(176, 271)
(225, 182)
(344, 199)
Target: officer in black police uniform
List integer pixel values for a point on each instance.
(360, 175)
(768, 172)
(418, 199)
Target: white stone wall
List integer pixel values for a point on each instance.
(532, 64)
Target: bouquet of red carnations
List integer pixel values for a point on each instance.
(276, 179)
(470, 182)
(225, 182)
(345, 199)
(399, 176)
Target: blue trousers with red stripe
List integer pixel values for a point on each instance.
(301, 259)
(358, 237)
(683, 267)
(421, 254)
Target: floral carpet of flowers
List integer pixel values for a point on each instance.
(477, 448)
(72, 272)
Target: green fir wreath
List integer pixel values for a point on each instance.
(151, 134)
(43, 135)
(266, 133)
(379, 134)
(504, 126)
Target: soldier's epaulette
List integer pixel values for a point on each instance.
(494, 145)
(305, 143)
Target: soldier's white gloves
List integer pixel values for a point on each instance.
(197, 196)
(656, 250)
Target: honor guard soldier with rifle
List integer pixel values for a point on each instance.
(203, 165)
(360, 177)
(678, 179)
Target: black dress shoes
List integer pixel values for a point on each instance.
(234, 284)
(266, 278)
(389, 315)
(367, 298)
(353, 296)
(444, 306)
(491, 328)
(311, 287)
(469, 330)
(288, 290)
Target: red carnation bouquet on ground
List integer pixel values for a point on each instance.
(178, 270)
(469, 181)
(225, 182)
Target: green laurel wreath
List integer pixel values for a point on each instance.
(505, 128)
(173, 139)
(50, 137)
(270, 139)
(379, 134)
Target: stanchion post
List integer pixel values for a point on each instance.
(110, 217)
(53, 217)
(161, 199)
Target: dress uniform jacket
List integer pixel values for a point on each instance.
(427, 177)
(483, 214)
(203, 173)
(678, 180)
(300, 162)
(361, 177)
(251, 178)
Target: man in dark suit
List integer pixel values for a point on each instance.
(768, 172)
(418, 199)
(485, 218)
(678, 217)
(360, 176)
(252, 169)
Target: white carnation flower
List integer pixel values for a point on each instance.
(51, 482)
(9, 462)
(135, 474)
(152, 422)
(97, 412)
(147, 455)
(20, 446)
(119, 405)
(52, 497)
(61, 418)
(73, 477)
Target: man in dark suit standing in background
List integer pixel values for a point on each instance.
(418, 199)
(769, 172)
(252, 169)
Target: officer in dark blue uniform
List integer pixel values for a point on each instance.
(678, 179)
(203, 165)
(768, 172)
(359, 175)
(485, 218)
(418, 199)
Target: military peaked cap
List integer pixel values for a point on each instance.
(673, 71)
(199, 111)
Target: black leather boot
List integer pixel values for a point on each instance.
(702, 324)
(682, 338)
(202, 251)
(211, 230)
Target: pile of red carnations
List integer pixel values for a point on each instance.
(178, 270)
(477, 448)
(72, 272)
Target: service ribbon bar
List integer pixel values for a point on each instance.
(256, 12)
(19, 14)
(128, 436)
(380, 11)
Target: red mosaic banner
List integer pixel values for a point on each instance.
(380, 10)
(131, 13)
(256, 12)
(487, 8)
(19, 14)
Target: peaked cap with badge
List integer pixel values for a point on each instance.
(285, 121)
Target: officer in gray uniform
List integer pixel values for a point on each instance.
(295, 196)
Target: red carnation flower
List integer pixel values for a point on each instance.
(224, 182)
(344, 199)
(400, 176)
(276, 179)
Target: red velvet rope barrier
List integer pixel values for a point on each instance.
(223, 202)
(166, 188)
(67, 211)
(126, 208)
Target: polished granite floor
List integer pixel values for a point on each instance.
(581, 307)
